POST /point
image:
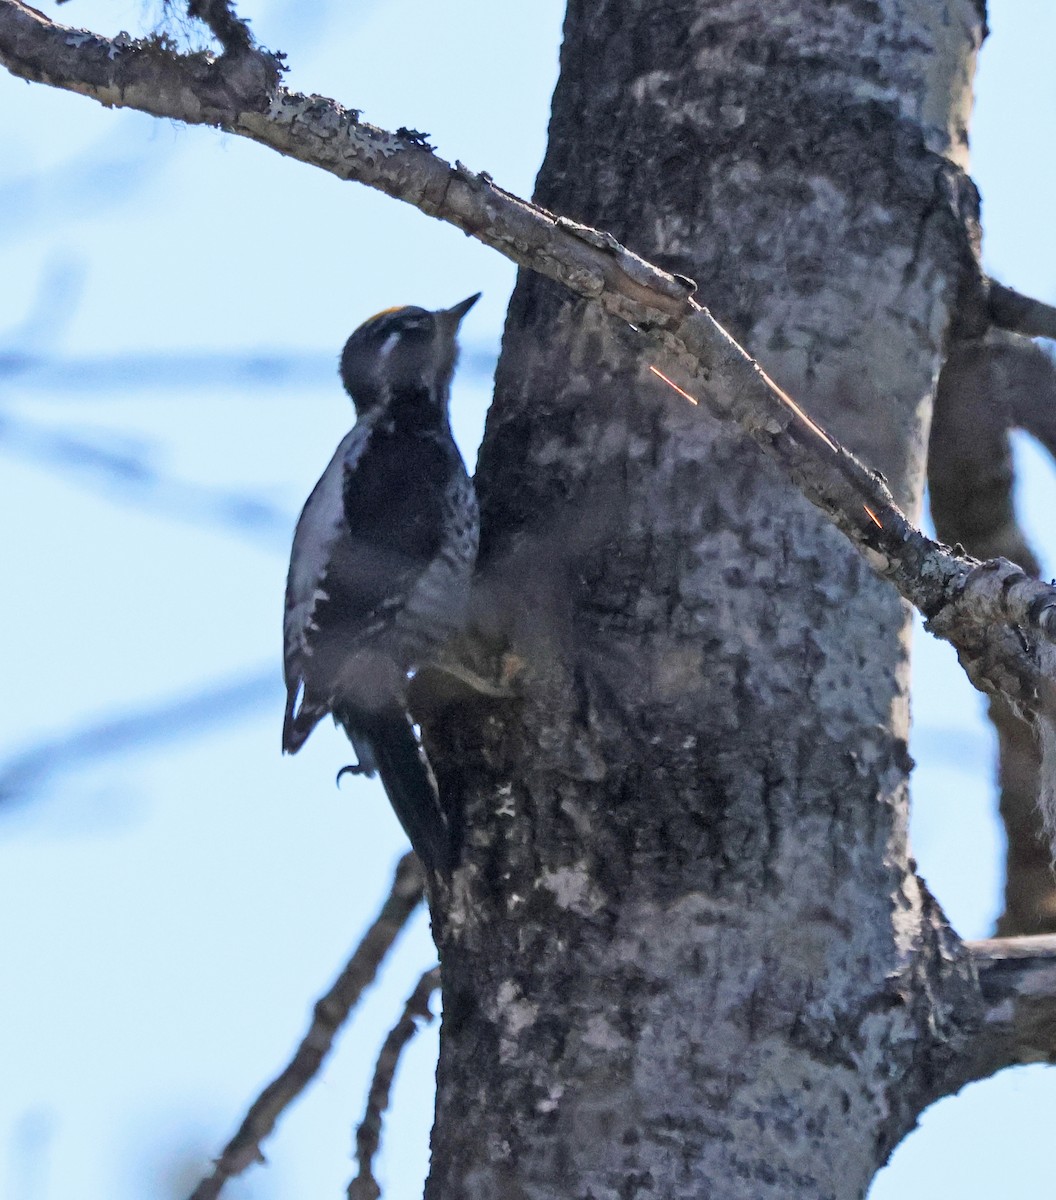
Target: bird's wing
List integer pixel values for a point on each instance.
(369, 530)
(318, 527)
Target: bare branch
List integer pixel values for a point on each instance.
(1030, 888)
(119, 70)
(1009, 309)
(198, 89)
(1017, 981)
(368, 1135)
(987, 385)
(330, 1013)
(1026, 374)
(971, 473)
(1001, 622)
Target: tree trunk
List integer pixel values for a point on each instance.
(686, 954)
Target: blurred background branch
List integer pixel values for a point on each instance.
(368, 1136)
(33, 767)
(273, 374)
(330, 1014)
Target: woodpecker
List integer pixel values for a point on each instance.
(381, 562)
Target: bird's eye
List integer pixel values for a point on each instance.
(383, 330)
(413, 328)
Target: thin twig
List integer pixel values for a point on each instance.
(331, 1012)
(1012, 310)
(368, 1135)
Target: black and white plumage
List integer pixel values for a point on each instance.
(381, 562)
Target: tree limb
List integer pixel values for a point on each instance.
(971, 473)
(331, 1012)
(368, 1136)
(1017, 981)
(1027, 376)
(1009, 309)
(971, 477)
(1030, 887)
(1001, 621)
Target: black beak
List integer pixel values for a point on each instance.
(451, 318)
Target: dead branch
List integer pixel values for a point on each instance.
(1001, 621)
(1026, 374)
(1030, 887)
(985, 383)
(971, 475)
(330, 1013)
(368, 1136)
(1009, 309)
(1017, 981)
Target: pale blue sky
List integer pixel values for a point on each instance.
(171, 913)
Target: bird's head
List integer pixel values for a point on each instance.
(402, 350)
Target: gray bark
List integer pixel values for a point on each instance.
(1017, 980)
(688, 954)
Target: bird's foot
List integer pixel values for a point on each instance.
(459, 673)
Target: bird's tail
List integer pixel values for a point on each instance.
(385, 742)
